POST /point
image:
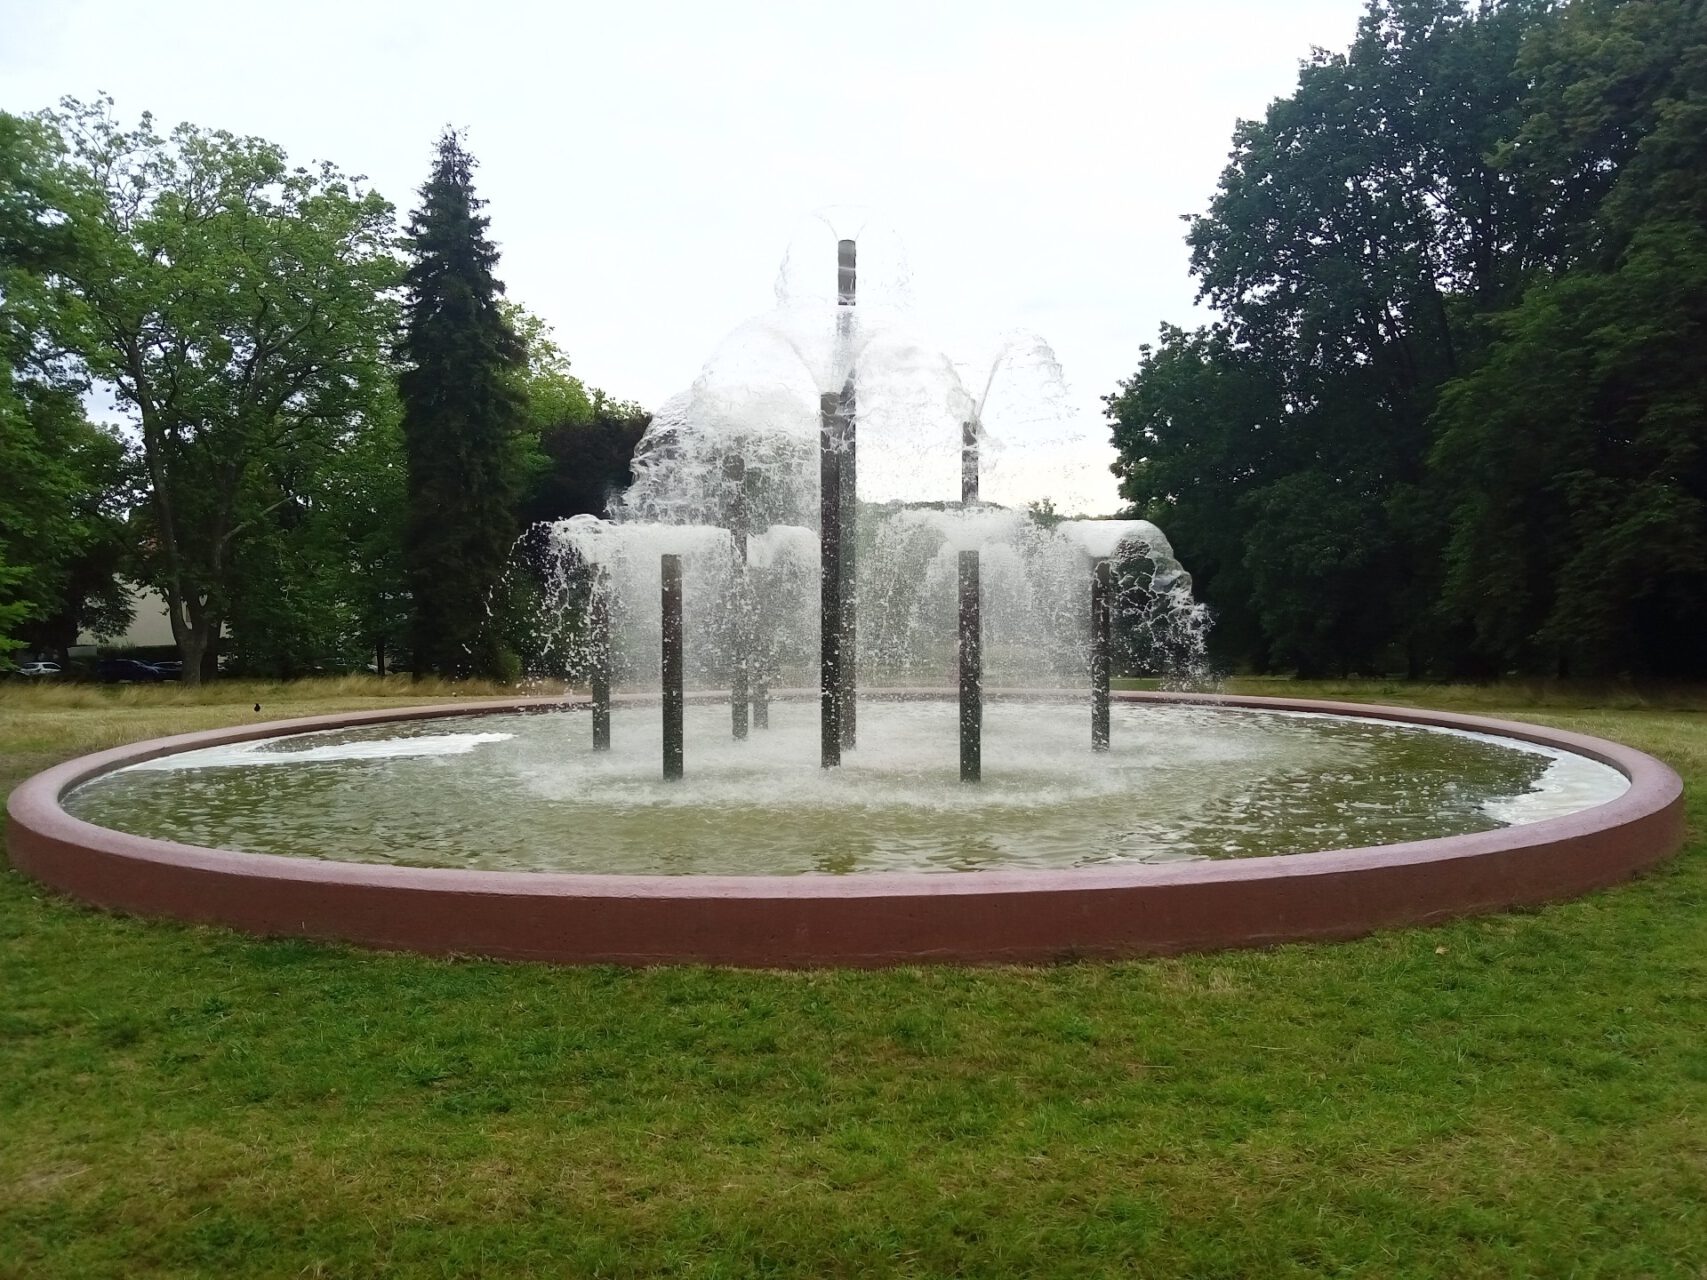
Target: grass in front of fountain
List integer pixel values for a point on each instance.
(1517, 1094)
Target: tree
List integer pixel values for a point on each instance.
(580, 442)
(369, 506)
(1451, 415)
(319, 583)
(61, 531)
(1576, 454)
(1196, 428)
(237, 306)
(463, 424)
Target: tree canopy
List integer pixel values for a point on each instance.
(299, 485)
(1450, 415)
(237, 307)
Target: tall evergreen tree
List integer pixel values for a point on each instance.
(462, 418)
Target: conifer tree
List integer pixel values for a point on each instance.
(461, 416)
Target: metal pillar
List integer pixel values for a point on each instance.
(830, 579)
(971, 672)
(847, 272)
(670, 568)
(735, 477)
(847, 275)
(1102, 600)
(598, 621)
(969, 462)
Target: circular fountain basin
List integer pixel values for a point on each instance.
(486, 829)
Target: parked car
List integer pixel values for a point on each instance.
(120, 670)
(39, 669)
(170, 670)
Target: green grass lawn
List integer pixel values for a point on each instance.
(1523, 1094)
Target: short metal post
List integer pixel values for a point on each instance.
(670, 570)
(1102, 595)
(598, 620)
(830, 580)
(971, 672)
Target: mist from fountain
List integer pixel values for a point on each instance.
(739, 450)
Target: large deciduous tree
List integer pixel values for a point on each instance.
(464, 424)
(61, 504)
(1575, 457)
(239, 308)
(1452, 413)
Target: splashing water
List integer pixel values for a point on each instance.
(739, 449)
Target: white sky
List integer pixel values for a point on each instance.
(646, 162)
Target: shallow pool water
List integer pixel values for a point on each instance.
(526, 791)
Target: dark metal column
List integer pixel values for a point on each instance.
(735, 478)
(847, 272)
(969, 462)
(971, 671)
(830, 578)
(1102, 600)
(847, 276)
(671, 663)
(598, 622)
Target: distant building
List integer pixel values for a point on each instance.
(149, 625)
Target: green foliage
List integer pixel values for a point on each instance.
(465, 425)
(237, 306)
(320, 585)
(61, 537)
(1451, 414)
(579, 441)
(1578, 459)
(585, 462)
(1195, 428)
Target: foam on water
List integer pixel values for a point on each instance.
(284, 751)
(1571, 783)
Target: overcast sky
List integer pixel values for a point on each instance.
(645, 163)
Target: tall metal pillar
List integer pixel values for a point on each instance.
(847, 274)
(735, 478)
(971, 671)
(969, 462)
(598, 621)
(830, 579)
(671, 662)
(1102, 657)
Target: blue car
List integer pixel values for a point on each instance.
(126, 670)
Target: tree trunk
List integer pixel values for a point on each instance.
(379, 656)
(198, 648)
(192, 648)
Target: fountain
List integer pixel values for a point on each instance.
(836, 714)
(752, 474)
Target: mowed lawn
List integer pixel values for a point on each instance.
(1523, 1094)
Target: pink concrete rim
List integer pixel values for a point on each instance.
(859, 919)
